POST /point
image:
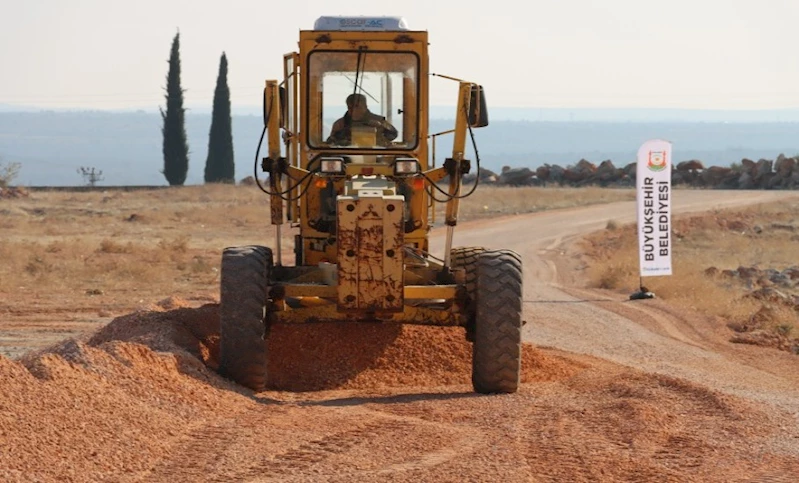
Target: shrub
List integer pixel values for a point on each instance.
(8, 173)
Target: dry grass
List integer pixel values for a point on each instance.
(763, 236)
(143, 245)
(152, 242)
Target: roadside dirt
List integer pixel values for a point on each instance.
(613, 390)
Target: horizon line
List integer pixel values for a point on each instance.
(11, 105)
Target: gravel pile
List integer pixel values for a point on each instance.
(327, 356)
(119, 400)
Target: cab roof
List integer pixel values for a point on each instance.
(361, 23)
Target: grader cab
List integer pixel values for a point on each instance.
(351, 167)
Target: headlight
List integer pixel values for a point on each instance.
(332, 165)
(405, 166)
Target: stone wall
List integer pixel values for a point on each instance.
(782, 173)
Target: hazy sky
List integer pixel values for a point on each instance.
(714, 54)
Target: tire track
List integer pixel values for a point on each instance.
(464, 440)
(207, 452)
(315, 452)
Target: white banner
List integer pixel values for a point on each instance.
(653, 192)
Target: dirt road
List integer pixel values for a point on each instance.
(613, 391)
(646, 335)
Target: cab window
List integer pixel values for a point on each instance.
(386, 82)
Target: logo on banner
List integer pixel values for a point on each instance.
(657, 161)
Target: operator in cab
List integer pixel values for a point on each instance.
(358, 115)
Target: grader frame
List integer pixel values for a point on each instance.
(364, 210)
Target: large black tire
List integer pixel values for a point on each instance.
(497, 348)
(242, 313)
(466, 258)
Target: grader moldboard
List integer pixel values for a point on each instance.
(363, 205)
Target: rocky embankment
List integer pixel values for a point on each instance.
(776, 291)
(782, 173)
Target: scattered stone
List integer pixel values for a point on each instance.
(769, 294)
(691, 165)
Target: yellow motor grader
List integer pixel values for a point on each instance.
(360, 188)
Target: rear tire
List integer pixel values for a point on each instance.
(242, 312)
(496, 352)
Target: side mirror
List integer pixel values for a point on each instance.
(263, 106)
(478, 112)
(281, 105)
(282, 93)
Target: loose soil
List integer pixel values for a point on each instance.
(612, 390)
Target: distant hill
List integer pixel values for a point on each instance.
(629, 115)
(126, 146)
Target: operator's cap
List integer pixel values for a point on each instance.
(353, 99)
(361, 23)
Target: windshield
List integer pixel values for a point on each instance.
(363, 100)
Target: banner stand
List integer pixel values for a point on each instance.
(642, 293)
(653, 200)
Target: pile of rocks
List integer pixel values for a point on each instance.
(783, 173)
(765, 284)
(777, 291)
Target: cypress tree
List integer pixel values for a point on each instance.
(175, 148)
(219, 166)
